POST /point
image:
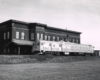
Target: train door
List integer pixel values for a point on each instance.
(47, 46)
(41, 46)
(63, 47)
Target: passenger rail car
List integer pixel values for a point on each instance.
(61, 48)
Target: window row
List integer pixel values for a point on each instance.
(22, 35)
(81, 48)
(40, 36)
(6, 35)
(47, 37)
(7, 50)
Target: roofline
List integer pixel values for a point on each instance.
(63, 29)
(39, 24)
(96, 50)
(19, 21)
(16, 21)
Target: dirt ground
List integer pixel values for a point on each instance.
(80, 70)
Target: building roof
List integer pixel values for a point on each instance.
(96, 50)
(16, 21)
(63, 29)
(22, 42)
(39, 24)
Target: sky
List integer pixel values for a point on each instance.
(76, 15)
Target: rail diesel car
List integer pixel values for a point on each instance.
(61, 48)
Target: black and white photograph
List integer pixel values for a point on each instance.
(49, 40)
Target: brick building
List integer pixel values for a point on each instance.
(17, 37)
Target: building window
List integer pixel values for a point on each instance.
(4, 50)
(32, 36)
(68, 37)
(37, 36)
(17, 35)
(77, 41)
(8, 50)
(12, 24)
(53, 38)
(22, 35)
(57, 38)
(4, 36)
(73, 40)
(62, 39)
(49, 38)
(66, 40)
(15, 50)
(45, 37)
(41, 36)
(8, 35)
(70, 40)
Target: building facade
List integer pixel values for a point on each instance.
(17, 37)
(96, 53)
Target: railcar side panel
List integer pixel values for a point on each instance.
(65, 47)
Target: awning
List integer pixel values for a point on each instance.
(22, 42)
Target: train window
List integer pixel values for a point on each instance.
(72, 47)
(75, 47)
(82, 48)
(41, 43)
(60, 45)
(53, 45)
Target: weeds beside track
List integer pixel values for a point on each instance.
(16, 59)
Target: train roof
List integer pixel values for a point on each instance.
(65, 42)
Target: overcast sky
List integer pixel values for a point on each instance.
(77, 15)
